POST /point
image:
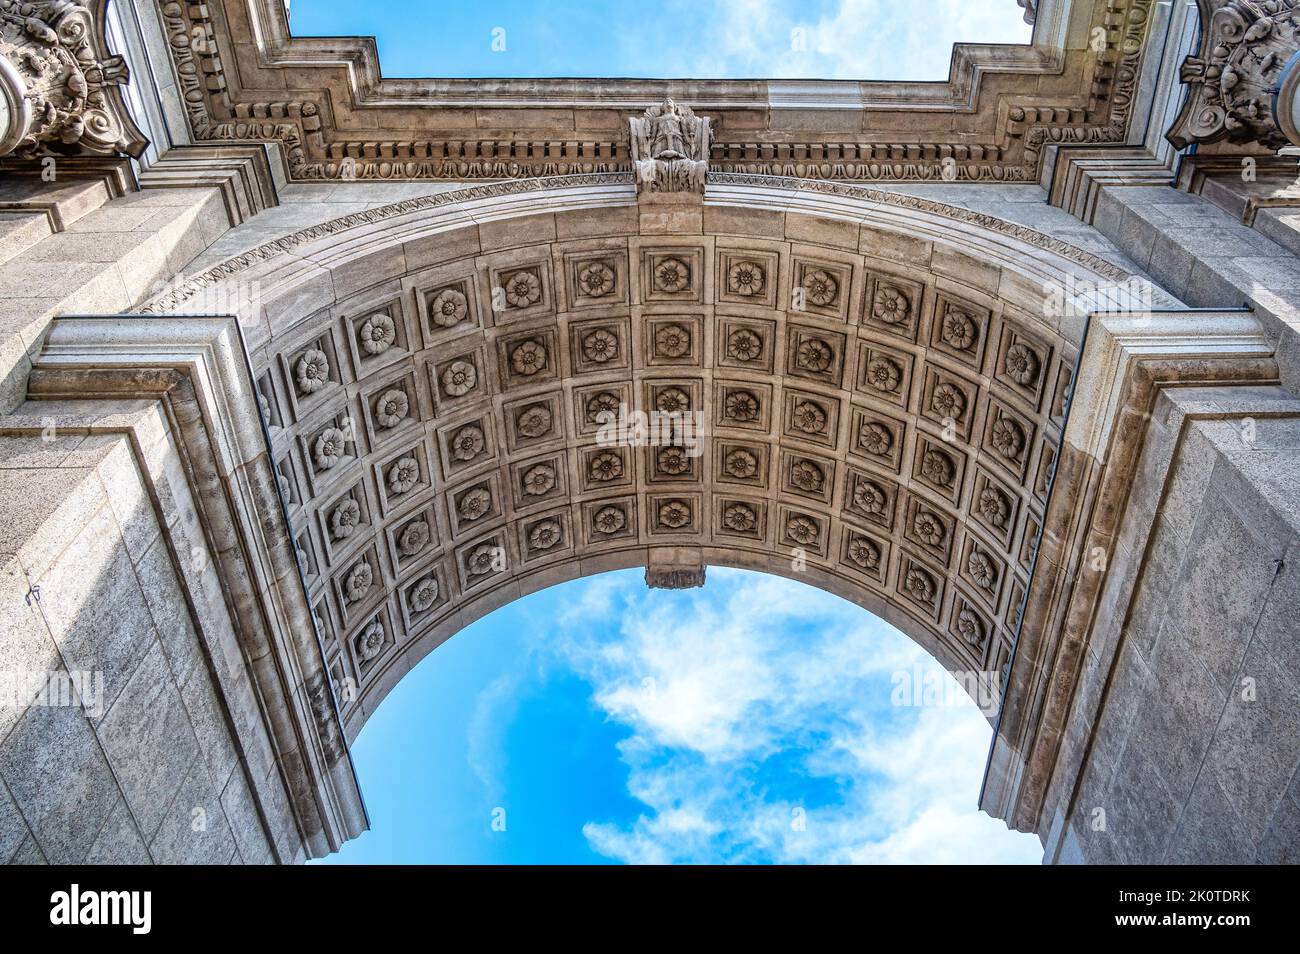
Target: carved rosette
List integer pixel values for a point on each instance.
(670, 149)
(1244, 46)
(60, 91)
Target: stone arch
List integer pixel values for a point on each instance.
(881, 380)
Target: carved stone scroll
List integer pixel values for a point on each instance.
(60, 90)
(1244, 46)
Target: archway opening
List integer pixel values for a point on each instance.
(877, 385)
(757, 719)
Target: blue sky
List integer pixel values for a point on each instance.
(830, 39)
(751, 721)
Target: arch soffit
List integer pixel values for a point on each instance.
(945, 557)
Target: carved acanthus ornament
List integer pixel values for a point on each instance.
(60, 91)
(1245, 45)
(670, 149)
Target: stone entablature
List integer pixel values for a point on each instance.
(347, 122)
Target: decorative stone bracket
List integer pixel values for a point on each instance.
(1245, 48)
(674, 568)
(670, 149)
(60, 90)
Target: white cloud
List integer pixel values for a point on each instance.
(494, 709)
(753, 669)
(850, 39)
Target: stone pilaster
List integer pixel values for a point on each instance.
(1088, 560)
(224, 522)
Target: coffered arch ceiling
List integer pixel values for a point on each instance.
(897, 433)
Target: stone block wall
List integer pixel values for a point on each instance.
(137, 761)
(73, 248)
(1196, 754)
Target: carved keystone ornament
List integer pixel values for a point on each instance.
(670, 149)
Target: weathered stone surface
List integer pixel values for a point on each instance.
(13, 830)
(1257, 743)
(1210, 832)
(119, 842)
(195, 830)
(208, 721)
(1223, 583)
(169, 612)
(94, 607)
(245, 825)
(148, 738)
(56, 773)
(1177, 719)
(1210, 759)
(1281, 843)
(27, 645)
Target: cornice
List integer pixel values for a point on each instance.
(1005, 145)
